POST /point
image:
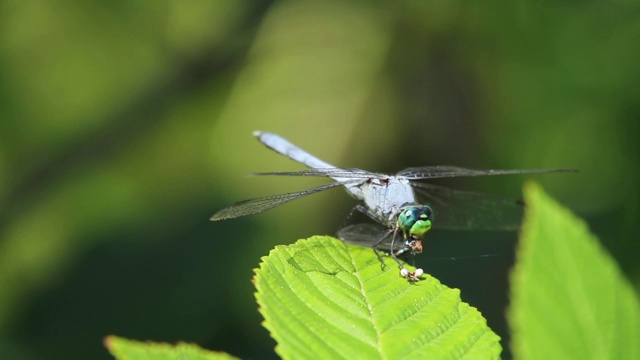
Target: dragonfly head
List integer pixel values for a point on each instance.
(415, 221)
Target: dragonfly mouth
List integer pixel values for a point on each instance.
(416, 246)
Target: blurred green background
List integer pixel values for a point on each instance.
(126, 124)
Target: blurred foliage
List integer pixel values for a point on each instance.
(125, 124)
(569, 299)
(124, 349)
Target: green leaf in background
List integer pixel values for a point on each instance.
(123, 349)
(323, 299)
(570, 300)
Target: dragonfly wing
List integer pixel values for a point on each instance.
(253, 206)
(327, 172)
(462, 210)
(445, 171)
(367, 235)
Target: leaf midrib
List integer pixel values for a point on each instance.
(369, 306)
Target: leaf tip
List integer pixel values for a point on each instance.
(109, 341)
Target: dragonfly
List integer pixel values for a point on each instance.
(402, 207)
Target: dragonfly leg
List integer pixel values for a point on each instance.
(382, 264)
(391, 249)
(381, 259)
(375, 245)
(400, 264)
(382, 238)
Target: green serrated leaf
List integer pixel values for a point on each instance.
(570, 299)
(123, 349)
(323, 299)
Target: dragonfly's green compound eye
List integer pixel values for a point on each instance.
(415, 221)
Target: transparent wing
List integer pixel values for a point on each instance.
(253, 206)
(444, 171)
(367, 235)
(327, 172)
(462, 210)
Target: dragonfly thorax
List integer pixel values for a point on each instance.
(386, 196)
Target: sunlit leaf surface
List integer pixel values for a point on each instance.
(322, 299)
